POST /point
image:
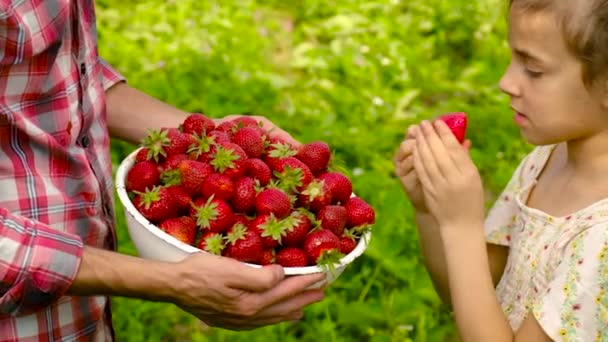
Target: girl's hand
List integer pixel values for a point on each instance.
(450, 181)
(404, 168)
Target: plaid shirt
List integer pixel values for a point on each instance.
(56, 191)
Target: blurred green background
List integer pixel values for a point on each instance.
(352, 73)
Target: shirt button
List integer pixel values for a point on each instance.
(84, 141)
(83, 69)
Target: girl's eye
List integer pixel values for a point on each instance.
(533, 73)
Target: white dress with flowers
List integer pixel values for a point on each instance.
(557, 266)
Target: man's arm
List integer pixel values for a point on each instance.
(131, 113)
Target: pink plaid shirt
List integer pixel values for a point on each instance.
(56, 191)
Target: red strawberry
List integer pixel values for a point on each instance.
(182, 228)
(143, 154)
(315, 155)
(190, 174)
(220, 137)
(258, 170)
(333, 218)
(229, 159)
(240, 218)
(276, 152)
(180, 196)
(251, 140)
(198, 124)
(244, 244)
(212, 242)
(347, 242)
(322, 247)
(457, 122)
(244, 195)
(156, 142)
(273, 201)
(339, 185)
(293, 174)
(292, 257)
(142, 175)
(270, 229)
(156, 204)
(298, 226)
(360, 213)
(245, 121)
(227, 127)
(173, 161)
(268, 257)
(315, 196)
(179, 142)
(203, 147)
(220, 185)
(214, 214)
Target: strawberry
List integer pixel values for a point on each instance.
(197, 123)
(180, 196)
(156, 204)
(227, 127)
(179, 142)
(333, 218)
(182, 228)
(339, 185)
(245, 121)
(240, 218)
(244, 244)
(298, 226)
(457, 122)
(293, 174)
(143, 154)
(291, 257)
(273, 201)
(155, 142)
(315, 196)
(173, 161)
(322, 247)
(220, 137)
(142, 175)
(220, 185)
(229, 159)
(212, 242)
(347, 242)
(268, 257)
(190, 174)
(315, 155)
(276, 152)
(244, 195)
(214, 214)
(258, 170)
(270, 228)
(360, 213)
(251, 140)
(203, 147)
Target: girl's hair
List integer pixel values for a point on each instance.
(585, 30)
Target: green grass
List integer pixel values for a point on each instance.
(352, 73)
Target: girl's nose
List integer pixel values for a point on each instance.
(508, 82)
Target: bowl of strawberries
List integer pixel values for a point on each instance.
(234, 190)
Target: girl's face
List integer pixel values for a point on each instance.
(544, 82)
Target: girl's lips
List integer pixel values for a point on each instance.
(520, 118)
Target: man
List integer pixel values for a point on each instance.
(58, 102)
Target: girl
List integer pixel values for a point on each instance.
(536, 268)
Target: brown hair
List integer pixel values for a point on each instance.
(585, 29)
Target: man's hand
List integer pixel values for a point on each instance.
(274, 130)
(226, 293)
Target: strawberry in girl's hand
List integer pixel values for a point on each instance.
(457, 122)
(198, 124)
(182, 228)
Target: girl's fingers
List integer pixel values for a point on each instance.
(423, 176)
(428, 159)
(436, 146)
(455, 150)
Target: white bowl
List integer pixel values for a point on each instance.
(153, 243)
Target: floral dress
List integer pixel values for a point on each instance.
(557, 267)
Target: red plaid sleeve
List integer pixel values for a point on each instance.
(37, 263)
(109, 74)
(28, 28)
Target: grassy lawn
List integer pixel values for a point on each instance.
(352, 73)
